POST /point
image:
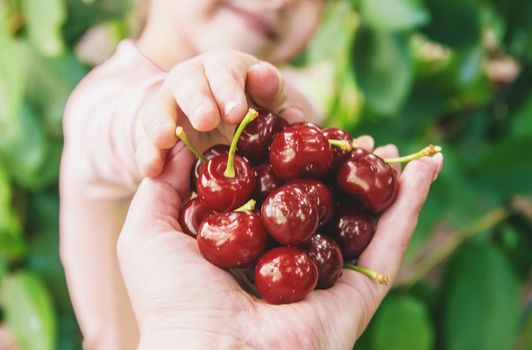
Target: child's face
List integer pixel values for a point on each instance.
(275, 30)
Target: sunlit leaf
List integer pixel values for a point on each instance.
(44, 19)
(29, 312)
(394, 14)
(383, 69)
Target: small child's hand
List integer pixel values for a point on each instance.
(208, 94)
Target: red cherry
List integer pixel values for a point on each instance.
(265, 181)
(232, 239)
(209, 153)
(300, 151)
(290, 215)
(285, 275)
(221, 193)
(369, 178)
(339, 154)
(310, 125)
(256, 138)
(192, 214)
(321, 195)
(352, 228)
(328, 258)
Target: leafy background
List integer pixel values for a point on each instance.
(410, 72)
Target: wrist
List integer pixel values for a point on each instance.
(187, 339)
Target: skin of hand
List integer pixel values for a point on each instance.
(219, 86)
(181, 300)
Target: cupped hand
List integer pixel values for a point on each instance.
(182, 301)
(208, 95)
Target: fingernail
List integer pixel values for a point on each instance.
(230, 107)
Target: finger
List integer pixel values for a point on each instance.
(159, 120)
(293, 114)
(397, 224)
(156, 203)
(227, 80)
(265, 86)
(190, 89)
(389, 151)
(150, 159)
(365, 142)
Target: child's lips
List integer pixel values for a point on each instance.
(256, 22)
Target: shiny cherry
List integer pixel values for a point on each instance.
(339, 155)
(368, 178)
(208, 154)
(310, 125)
(300, 151)
(265, 181)
(290, 215)
(285, 275)
(232, 239)
(221, 193)
(328, 258)
(321, 195)
(256, 138)
(352, 228)
(192, 214)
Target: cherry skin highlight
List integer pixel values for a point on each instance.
(368, 178)
(192, 214)
(352, 228)
(265, 181)
(321, 195)
(290, 215)
(300, 151)
(221, 193)
(254, 143)
(285, 275)
(328, 258)
(209, 153)
(232, 239)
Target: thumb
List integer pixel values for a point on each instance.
(156, 203)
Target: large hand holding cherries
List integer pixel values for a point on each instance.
(278, 216)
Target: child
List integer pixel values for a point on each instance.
(198, 64)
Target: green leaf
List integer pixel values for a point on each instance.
(383, 69)
(12, 71)
(402, 323)
(23, 148)
(44, 19)
(454, 23)
(50, 82)
(29, 312)
(394, 15)
(481, 303)
(507, 168)
(11, 240)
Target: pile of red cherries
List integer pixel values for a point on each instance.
(292, 201)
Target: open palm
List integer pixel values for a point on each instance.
(181, 300)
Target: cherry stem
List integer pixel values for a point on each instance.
(344, 144)
(248, 206)
(181, 134)
(425, 152)
(250, 116)
(374, 275)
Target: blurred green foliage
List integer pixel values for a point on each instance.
(410, 72)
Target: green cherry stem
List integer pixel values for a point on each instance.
(344, 144)
(250, 116)
(374, 275)
(180, 133)
(425, 152)
(248, 206)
